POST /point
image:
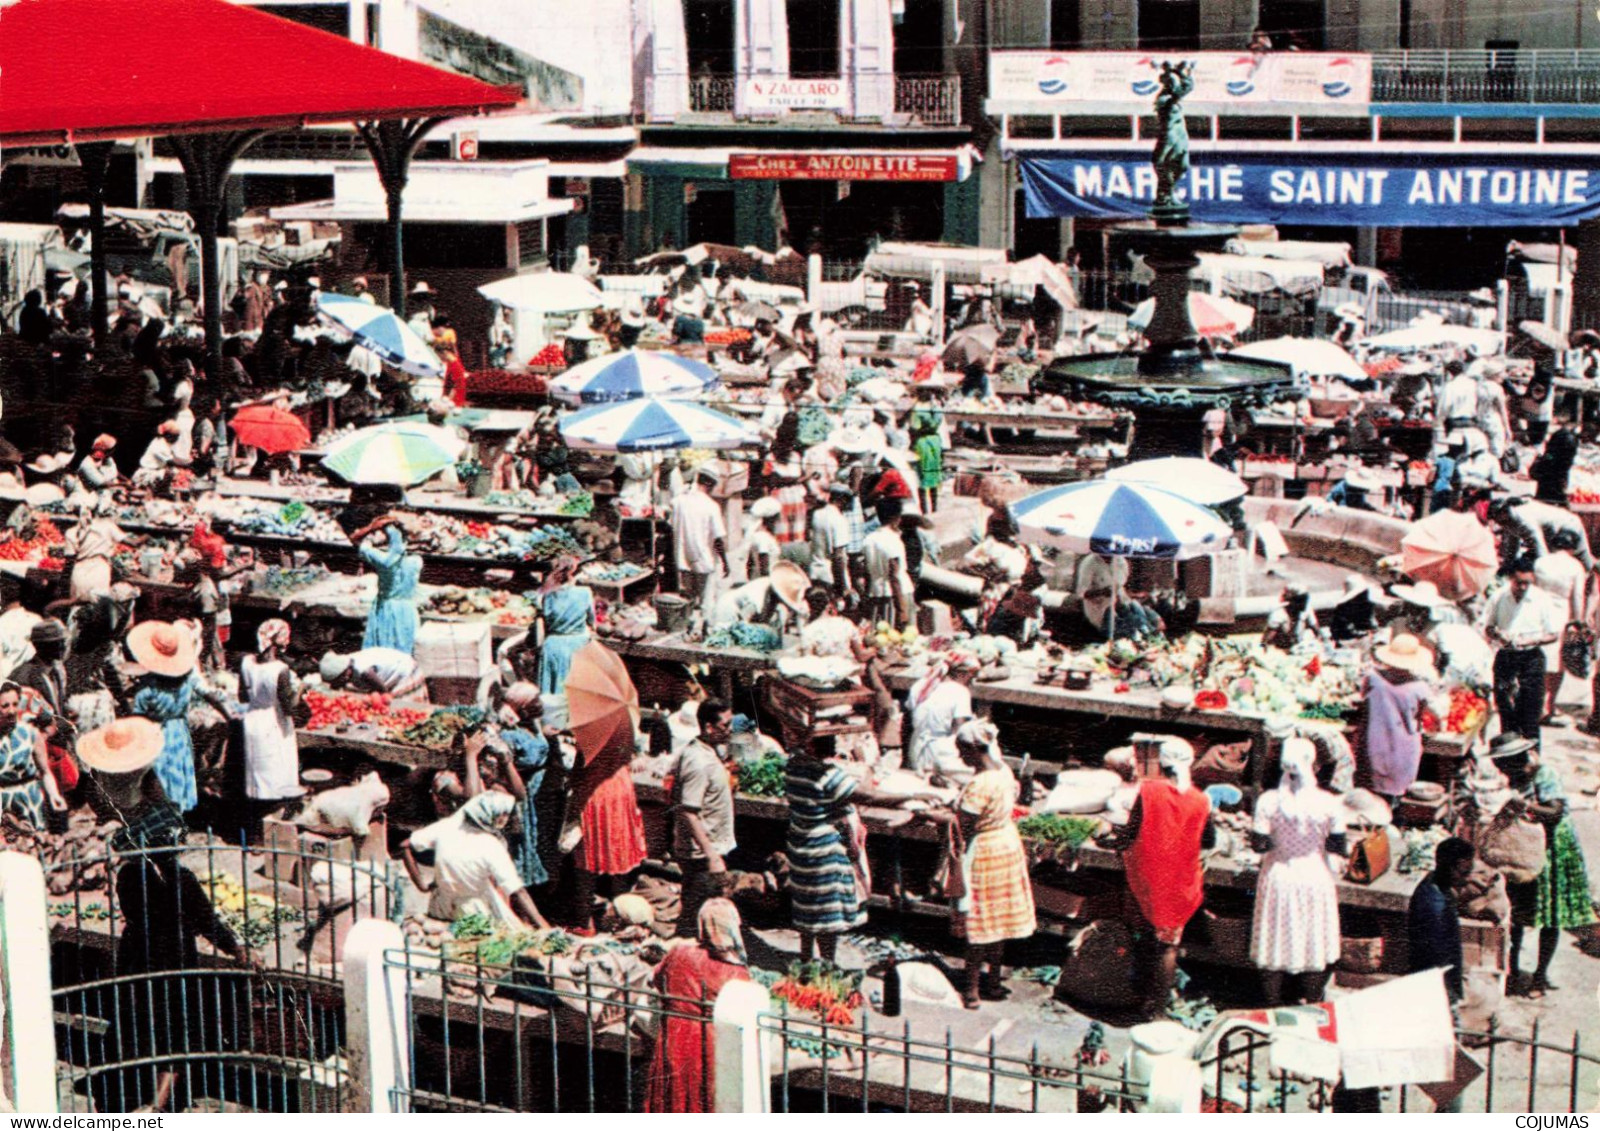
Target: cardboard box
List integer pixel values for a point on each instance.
(455, 649)
(448, 691)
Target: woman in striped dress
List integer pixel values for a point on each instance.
(828, 880)
(26, 783)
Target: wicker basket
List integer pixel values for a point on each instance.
(1358, 955)
(1229, 937)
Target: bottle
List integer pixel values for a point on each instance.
(891, 988)
(1025, 781)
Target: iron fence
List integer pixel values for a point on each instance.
(1542, 76)
(523, 1038)
(1520, 1073)
(932, 100)
(140, 1009)
(712, 94)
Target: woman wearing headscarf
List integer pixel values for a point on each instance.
(996, 901)
(269, 692)
(472, 869)
(689, 980)
(393, 621)
(939, 702)
(1167, 828)
(1298, 828)
(96, 471)
(522, 712)
(567, 613)
(166, 1022)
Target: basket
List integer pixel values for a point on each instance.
(1229, 937)
(1358, 955)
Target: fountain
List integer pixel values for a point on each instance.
(1178, 378)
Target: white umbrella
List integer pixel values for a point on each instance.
(1198, 480)
(1438, 335)
(647, 425)
(382, 331)
(1308, 357)
(1128, 520)
(550, 291)
(1213, 316)
(402, 453)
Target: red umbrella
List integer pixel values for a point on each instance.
(271, 429)
(1453, 550)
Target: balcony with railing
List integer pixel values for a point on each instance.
(1548, 78)
(919, 102)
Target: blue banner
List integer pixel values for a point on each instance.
(1334, 190)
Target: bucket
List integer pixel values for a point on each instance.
(672, 612)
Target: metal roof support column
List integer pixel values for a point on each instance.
(206, 161)
(392, 143)
(93, 157)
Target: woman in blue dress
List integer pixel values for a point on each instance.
(167, 653)
(393, 620)
(26, 782)
(525, 738)
(568, 614)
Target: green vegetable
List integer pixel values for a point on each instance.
(476, 925)
(292, 512)
(581, 505)
(764, 777)
(1055, 829)
(1322, 711)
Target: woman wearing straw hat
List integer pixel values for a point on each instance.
(1395, 691)
(165, 909)
(167, 653)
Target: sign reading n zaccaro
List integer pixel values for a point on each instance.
(796, 94)
(1420, 190)
(1223, 78)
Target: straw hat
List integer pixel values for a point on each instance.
(421, 288)
(852, 439)
(121, 747)
(1363, 807)
(634, 910)
(789, 585)
(1509, 744)
(765, 507)
(1424, 593)
(1406, 653)
(162, 648)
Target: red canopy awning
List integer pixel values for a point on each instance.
(97, 70)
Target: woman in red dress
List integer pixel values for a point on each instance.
(689, 980)
(455, 376)
(613, 829)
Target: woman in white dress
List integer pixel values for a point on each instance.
(269, 693)
(1296, 929)
(939, 702)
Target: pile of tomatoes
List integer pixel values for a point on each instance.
(1468, 711)
(337, 708)
(727, 337)
(45, 535)
(551, 355)
(1583, 498)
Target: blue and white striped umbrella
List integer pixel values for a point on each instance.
(382, 331)
(1127, 520)
(651, 425)
(633, 373)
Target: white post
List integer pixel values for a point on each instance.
(30, 1027)
(377, 1023)
(814, 281)
(740, 1057)
(1502, 304)
(356, 24)
(936, 299)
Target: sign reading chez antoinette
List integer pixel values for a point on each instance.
(843, 167)
(796, 94)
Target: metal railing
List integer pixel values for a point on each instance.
(1520, 1073)
(933, 100)
(822, 1067)
(1555, 77)
(712, 94)
(499, 1038)
(135, 1000)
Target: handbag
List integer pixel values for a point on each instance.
(1577, 649)
(1514, 845)
(1370, 858)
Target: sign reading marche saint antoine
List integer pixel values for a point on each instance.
(1368, 189)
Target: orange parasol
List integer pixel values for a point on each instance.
(272, 430)
(1453, 550)
(602, 703)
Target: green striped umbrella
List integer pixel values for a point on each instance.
(400, 454)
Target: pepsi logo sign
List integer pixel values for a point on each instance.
(1336, 78)
(1241, 80)
(1054, 74)
(1145, 70)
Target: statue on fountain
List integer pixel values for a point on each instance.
(1171, 157)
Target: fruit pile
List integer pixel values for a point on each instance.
(338, 708)
(731, 336)
(1467, 711)
(501, 382)
(832, 994)
(551, 355)
(1582, 497)
(45, 535)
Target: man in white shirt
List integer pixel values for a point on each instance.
(1562, 576)
(1529, 528)
(699, 542)
(1457, 405)
(1520, 622)
(385, 670)
(703, 834)
(17, 622)
(888, 581)
(830, 537)
(472, 868)
(1100, 583)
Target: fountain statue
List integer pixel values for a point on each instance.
(1177, 378)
